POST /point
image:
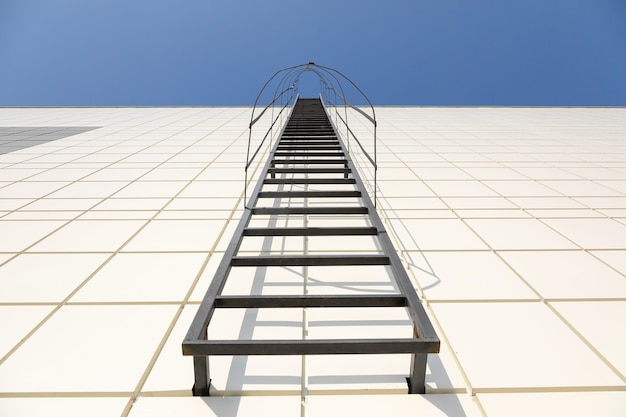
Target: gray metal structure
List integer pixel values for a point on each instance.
(309, 151)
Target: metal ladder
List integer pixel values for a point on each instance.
(310, 154)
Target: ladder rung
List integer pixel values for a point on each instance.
(309, 210)
(303, 134)
(315, 127)
(309, 161)
(303, 138)
(312, 117)
(309, 142)
(312, 147)
(305, 194)
(294, 301)
(309, 170)
(310, 346)
(310, 128)
(301, 260)
(309, 181)
(310, 153)
(310, 231)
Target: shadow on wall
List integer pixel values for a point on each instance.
(17, 138)
(429, 269)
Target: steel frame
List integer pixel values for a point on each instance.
(424, 338)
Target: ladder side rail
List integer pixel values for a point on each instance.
(198, 329)
(249, 161)
(416, 309)
(253, 122)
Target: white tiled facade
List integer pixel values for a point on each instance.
(511, 222)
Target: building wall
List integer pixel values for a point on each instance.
(511, 221)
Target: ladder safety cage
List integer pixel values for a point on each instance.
(310, 153)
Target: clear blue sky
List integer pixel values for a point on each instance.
(208, 52)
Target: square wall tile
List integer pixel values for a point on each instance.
(285, 406)
(173, 372)
(469, 275)
(546, 173)
(140, 277)
(116, 174)
(434, 405)
(62, 204)
(16, 322)
(546, 203)
(117, 215)
(258, 375)
(42, 215)
(88, 349)
(220, 188)
(549, 404)
(602, 202)
(89, 189)
(355, 279)
(9, 204)
(471, 203)
(434, 234)
(151, 189)
(203, 204)
(592, 233)
(521, 189)
(90, 236)
(30, 189)
(265, 244)
(5, 257)
(256, 324)
(265, 281)
(358, 323)
(63, 406)
(470, 188)
(177, 235)
(567, 274)
(519, 345)
(443, 375)
(390, 205)
(45, 277)
(614, 258)
(61, 174)
(129, 204)
(439, 173)
(333, 374)
(407, 188)
(171, 174)
(583, 188)
(511, 234)
(24, 233)
(600, 323)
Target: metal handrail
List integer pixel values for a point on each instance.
(291, 100)
(330, 81)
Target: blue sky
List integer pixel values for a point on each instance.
(417, 52)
